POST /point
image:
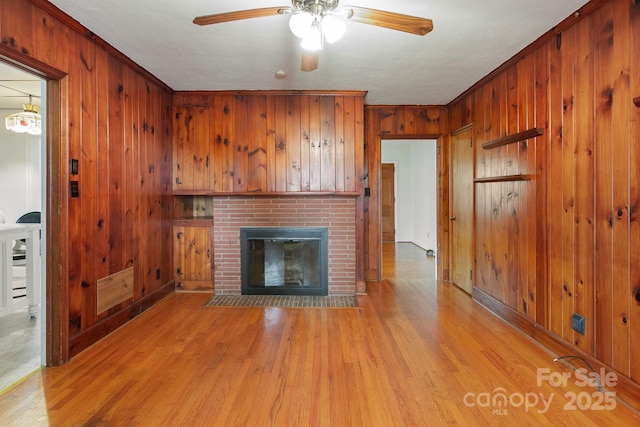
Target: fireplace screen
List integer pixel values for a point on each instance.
(284, 261)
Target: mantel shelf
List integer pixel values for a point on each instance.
(504, 178)
(264, 193)
(520, 136)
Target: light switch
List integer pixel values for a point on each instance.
(75, 191)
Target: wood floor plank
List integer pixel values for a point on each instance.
(416, 352)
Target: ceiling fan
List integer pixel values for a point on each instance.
(315, 20)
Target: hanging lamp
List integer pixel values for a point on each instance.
(27, 121)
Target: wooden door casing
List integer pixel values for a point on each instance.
(388, 201)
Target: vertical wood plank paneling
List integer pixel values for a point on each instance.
(102, 226)
(327, 142)
(88, 168)
(352, 141)
(315, 143)
(280, 157)
(218, 143)
(525, 158)
(634, 198)
(271, 119)
(165, 145)
(199, 157)
(603, 75)
(584, 172)
(42, 35)
(256, 142)
(240, 159)
(75, 204)
(293, 133)
(568, 53)
(339, 143)
(620, 111)
(182, 166)
(131, 168)
(116, 166)
(307, 146)
(229, 137)
(539, 290)
(554, 203)
(492, 169)
(141, 152)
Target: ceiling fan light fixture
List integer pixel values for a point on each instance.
(333, 28)
(313, 40)
(27, 121)
(300, 24)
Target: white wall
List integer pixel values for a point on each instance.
(416, 190)
(20, 176)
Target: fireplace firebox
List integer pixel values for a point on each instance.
(284, 261)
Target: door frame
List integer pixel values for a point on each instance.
(442, 199)
(55, 299)
(395, 206)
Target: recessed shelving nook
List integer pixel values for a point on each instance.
(193, 210)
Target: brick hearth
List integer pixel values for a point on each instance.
(337, 213)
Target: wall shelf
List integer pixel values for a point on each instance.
(520, 136)
(505, 178)
(265, 193)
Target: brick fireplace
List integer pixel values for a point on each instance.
(336, 213)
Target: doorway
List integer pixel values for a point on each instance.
(22, 200)
(414, 195)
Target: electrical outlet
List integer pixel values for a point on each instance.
(577, 323)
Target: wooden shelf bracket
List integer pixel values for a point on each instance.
(520, 136)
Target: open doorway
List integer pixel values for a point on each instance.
(22, 184)
(415, 181)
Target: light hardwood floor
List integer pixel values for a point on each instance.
(19, 337)
(415, 353)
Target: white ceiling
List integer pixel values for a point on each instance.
(470, 39)
(16, 86)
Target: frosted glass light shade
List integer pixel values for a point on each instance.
(333, 28)
(25, 121)
(300, 24)
(313, 40)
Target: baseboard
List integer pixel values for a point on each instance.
(627, 390)
(101, 329)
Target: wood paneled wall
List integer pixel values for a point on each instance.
(567, 241)
(116, 120)
(266, 142)
(403, 122)
(272, 142)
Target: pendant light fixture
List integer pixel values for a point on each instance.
(27, 121)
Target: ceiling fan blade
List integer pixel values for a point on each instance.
(240, 14)
(309, 60)
(391, 20)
